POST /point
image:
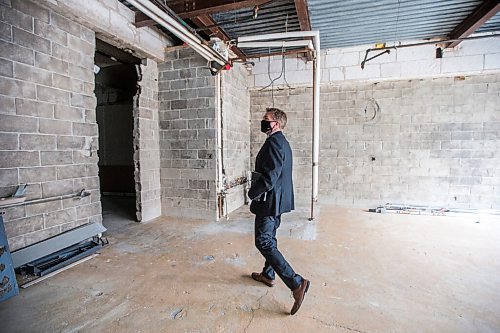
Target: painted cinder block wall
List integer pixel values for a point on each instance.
(434, 140)
(235, 132)
(297, 103)
(48, 130)
(189, 97)
(187, 107)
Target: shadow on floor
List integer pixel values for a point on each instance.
(117, 212)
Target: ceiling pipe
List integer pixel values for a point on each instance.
(294, 43)
(280, 35)
(165, 20)
(169, 23)
(316, 91)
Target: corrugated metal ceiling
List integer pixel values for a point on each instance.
(493, 24)
(350, 22)
(355, 22)
(276, 16)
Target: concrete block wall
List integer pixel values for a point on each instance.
(187, 95)
(436, 128)
(48, 130)
(297, 103)
(147, 144)
(344, 64)
(112, 22)
(434, 141)
(235, 132)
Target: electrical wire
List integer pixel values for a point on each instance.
(283, 55)
(269, 73)
(283, 67)
(284, 72)
(397, 23)
(373, 104)
(271, 84)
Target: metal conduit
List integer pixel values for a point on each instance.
(79, 195)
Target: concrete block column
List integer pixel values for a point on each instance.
(235, 132)
(146, 143)
(187, 136)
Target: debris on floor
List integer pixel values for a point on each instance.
(178, 314)
(428, 210)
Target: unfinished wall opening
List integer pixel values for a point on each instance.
(115, 87)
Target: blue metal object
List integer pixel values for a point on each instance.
(8, 283)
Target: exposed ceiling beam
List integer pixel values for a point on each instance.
(206, 20)
(475, 20)
(193, 8)
(303, 16)
(142, 20)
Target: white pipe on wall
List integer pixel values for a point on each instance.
(293, 43)
(220, 148)
(316, 93)
(280, 35)
(165, 20)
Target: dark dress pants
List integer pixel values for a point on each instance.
(267, 244)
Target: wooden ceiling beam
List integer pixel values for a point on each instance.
(474, 21)
(193, 8)
(142, 20)
(305, 23)
(303, 15)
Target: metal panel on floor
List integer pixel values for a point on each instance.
(59, 242)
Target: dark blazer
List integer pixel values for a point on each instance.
(274, 164)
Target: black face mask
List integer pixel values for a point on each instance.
(265, 126)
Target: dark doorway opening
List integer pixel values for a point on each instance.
(115, 88)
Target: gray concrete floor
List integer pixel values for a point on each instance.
(118, 212)
(369, 273)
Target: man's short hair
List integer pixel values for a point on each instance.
(278, 115)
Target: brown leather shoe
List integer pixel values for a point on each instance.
(261, 278)
(298, 294)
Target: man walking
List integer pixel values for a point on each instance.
(272, 195)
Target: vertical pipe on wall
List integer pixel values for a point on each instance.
(219, 149)
(315, 134)
(316, 94)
